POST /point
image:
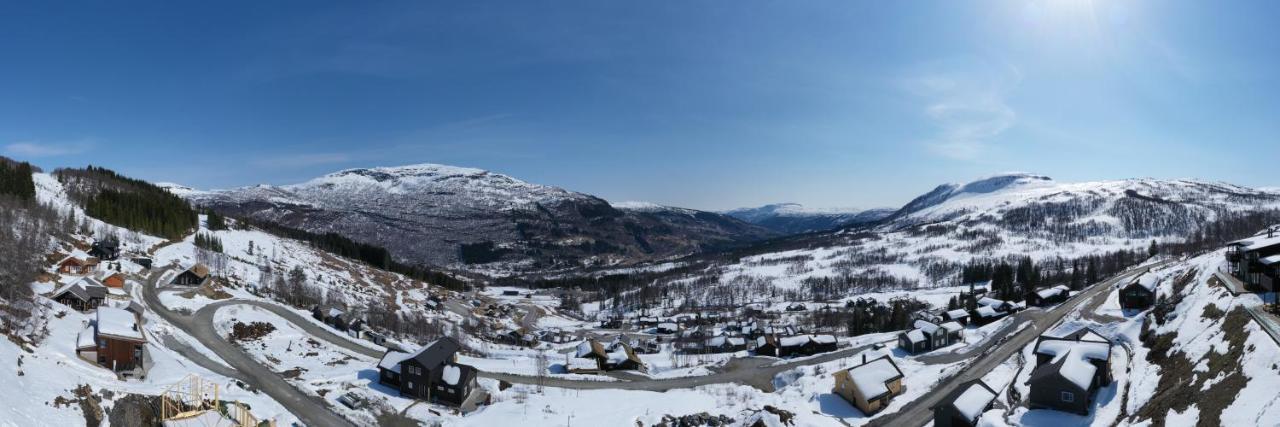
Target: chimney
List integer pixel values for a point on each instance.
(864, 358)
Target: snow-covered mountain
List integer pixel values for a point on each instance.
(793, 218)
(926, 243)
(1038, 205)
(446, 215)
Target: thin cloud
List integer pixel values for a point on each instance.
(44, 149)
(966, 103)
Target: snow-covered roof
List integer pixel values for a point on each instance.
(952, 327)
(333, 312)
(737, 341)
(1085, 349)
(118, 323)
(973, 401)
(1270, 260)
(1077, 369)
(915, 335)
(1256, 242)
(668, 326)
(451, 374)
(1148, 281)
(990, 302)
(85, 339)
(716, 341)
(391, 360)
(986, 311)
(958, 313)
(926, 326)
(1050, 292)
(872, 377)
(793, 341)
(824, 339)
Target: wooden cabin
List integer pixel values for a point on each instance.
(929, 336)
(1140, 293)
(1069, 371)
(964, 405)
(82, 295)
(430, 374)
(871, 385)
(1049, 296)
(106, 250)
(118, 340)
(77, 265)
(193, 276)
(958, 315)
(112, 279)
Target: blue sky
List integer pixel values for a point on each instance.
(709, 105)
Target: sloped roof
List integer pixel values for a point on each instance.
(118, 323)
(926, 326)
(986, 311)
(391, 360)
(958, 313)
(914, 335)
(83, 289)
(1147, 281)
(970, 398)
(1051, 292)
(952, 327)
(437, 353)
(871, 378)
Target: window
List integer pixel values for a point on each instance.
(102, 343)
(1068, 397)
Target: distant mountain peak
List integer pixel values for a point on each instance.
(999, 182)
(384, 173)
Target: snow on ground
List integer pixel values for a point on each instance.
(523, 296)
(558, 407)
(52, 369)
(315, 367)
(811, 386)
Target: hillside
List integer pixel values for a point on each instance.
(793, 218)
(929, 241)
(471, 218)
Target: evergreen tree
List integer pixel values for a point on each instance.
(215, 222)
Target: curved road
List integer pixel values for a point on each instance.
(309, 409)
(754, 371)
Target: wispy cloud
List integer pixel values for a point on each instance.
(966, 103)
(301, 160)
(46, 149)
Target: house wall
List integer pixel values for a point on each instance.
(946, 416)
(1135, 297)
(1047, 393)
(414, 382)
(118, 354)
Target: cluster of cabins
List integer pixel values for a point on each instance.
(1068, 372)
(432, 373)
(114, 338)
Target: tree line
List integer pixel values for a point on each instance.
(16, 179)
(129, 203)
(371, 255)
